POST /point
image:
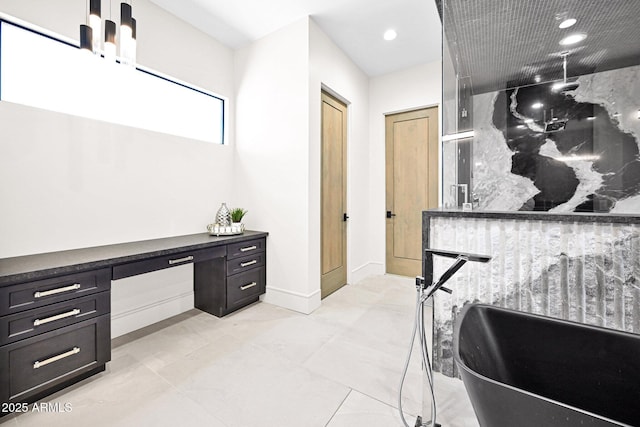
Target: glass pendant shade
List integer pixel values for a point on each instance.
(86, 38)
(110, 40)
(95, 21)
(126, 31)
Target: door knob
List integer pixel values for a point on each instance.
(345, 217)
(389, 214)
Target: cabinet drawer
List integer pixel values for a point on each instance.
(158, 263)
(48, 291)
(243, 287)
(238, 265)
(30, 366)
(242, 249)
(44, 319)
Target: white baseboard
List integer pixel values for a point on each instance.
(366, 270)
(296, 301)
(143, 300)
(129, 321)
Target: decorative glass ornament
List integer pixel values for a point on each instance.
(223, 217)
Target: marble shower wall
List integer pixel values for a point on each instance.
(591, 165)
(580, 271)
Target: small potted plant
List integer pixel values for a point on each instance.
(236, 215)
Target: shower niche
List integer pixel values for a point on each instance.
(541, 113)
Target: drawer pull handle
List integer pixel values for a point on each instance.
(176, 261)
(38, 322)
(248, 248)
(56, 291)
(246, 264)
(38, 364)
(250, 285)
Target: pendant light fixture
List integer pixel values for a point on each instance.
(109, 40)
(86, 38)
(126, 32)
(95, 22)
(91, 34)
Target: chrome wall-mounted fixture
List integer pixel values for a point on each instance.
(90, 34)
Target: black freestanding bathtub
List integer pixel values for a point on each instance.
(525, 370)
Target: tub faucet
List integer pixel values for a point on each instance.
(425, 290)
(461, 259)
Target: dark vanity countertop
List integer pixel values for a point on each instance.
(603, 218)
(38, 266)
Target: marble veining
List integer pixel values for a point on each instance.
(579, 271)
(567, 150)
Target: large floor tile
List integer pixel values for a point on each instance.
(245, 384)
(359, 410)
(370, 369)
(296, 339)
(128, 394)
(168, 344)
(267, 366)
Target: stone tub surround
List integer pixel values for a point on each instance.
(579, 267)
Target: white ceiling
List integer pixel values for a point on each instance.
(356, 26)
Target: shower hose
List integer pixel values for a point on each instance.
(419, 330)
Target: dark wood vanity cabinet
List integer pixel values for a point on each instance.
(55, 308)
(243, 274)
(53, 332)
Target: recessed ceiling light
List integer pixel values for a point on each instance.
(591, 118)
(567, 23)
(390, 35)
(537, 105)
(573, 39)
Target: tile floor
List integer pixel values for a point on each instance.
(266, 366)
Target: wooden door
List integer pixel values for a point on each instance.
(411, 185)
(333, 195)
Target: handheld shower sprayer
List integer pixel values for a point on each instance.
(425, 288)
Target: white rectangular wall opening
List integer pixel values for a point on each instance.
(42, 72)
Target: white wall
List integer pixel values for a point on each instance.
(279, 80)
(331, 68)
(77, 182)
(272, 118)
(408, 89)
(69, 182)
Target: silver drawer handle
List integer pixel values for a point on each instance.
(38, 322)
(176, 261)
(248, 248)
(245, 264)
(71, 352)
(56, 291)
(250, 285)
